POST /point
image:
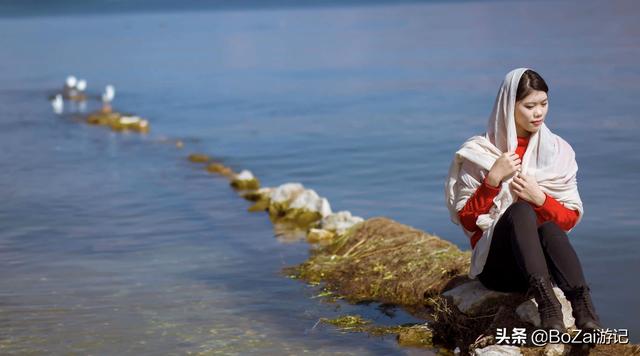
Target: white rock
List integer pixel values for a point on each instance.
(471, 297)
(528, 310)
(265, 191)
(309, 200)
(244, 175)
(554, 349)
(498, 350)
(325, 208)
(286, 192)
(340, 221)
(315, 235)
(129, 119)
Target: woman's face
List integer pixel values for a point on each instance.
(530, 113)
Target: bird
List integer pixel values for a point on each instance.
(81, 85)
(58, 104)
(107, 97)
(69, 89)
(109, 93)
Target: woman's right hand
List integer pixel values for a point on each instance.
(504, 166)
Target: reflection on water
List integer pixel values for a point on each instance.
(113, 243)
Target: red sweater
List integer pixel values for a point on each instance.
(482, 200)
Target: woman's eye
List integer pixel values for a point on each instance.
(529, 107)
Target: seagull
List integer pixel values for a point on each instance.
(109, 94)
(69, 89)
(58, 104)
(81, 85)
(107, 97)
(71, 81)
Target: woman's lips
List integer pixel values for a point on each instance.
(537, 123)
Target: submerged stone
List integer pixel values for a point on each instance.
(130, 123)
(407, 335)
(102, 118)
(198, 158)
(220, 169)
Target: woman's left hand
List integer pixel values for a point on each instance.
(527, 188)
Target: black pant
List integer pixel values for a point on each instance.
(520, 248)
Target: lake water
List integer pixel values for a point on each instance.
(115, 244)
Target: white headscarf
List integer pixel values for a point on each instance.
(548, 158)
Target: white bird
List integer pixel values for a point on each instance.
(71, 81)
(58, 104)
(109, 93)
(81, 85)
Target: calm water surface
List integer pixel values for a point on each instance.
(114, 244)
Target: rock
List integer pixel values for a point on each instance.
(339, 222)
(258, 195)
(130, 123)
(317, 235)
(472, 297)
(245, 181)
(286, 192)
(554, 349)
(220, 169)
(528, 310)
(308, 200)
(102, 118)
(261, 199)
(281, 197)
(198, 158)
(306, 209)
(118, 121)
(498, 350)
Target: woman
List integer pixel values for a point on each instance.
(514, 191)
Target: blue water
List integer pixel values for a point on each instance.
(113, 243)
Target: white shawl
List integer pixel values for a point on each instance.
(548, 158)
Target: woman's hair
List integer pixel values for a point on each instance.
(529, 82)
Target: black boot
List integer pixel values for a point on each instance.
(549, 306)
(583, 310)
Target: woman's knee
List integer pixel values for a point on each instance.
(521, 211)
(549, 229)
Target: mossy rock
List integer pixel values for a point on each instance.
(198, 158)
(407, 335)
(380, 259)
(302, 217)
(319, 235)
(278, 209)
(245, 184)
(260, 205)
(254, 195)
(129, 123)
(219, 169)
(102, 118)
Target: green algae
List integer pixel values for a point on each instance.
(407, 335)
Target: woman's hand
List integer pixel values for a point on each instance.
(528, 189)
(504, 166)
